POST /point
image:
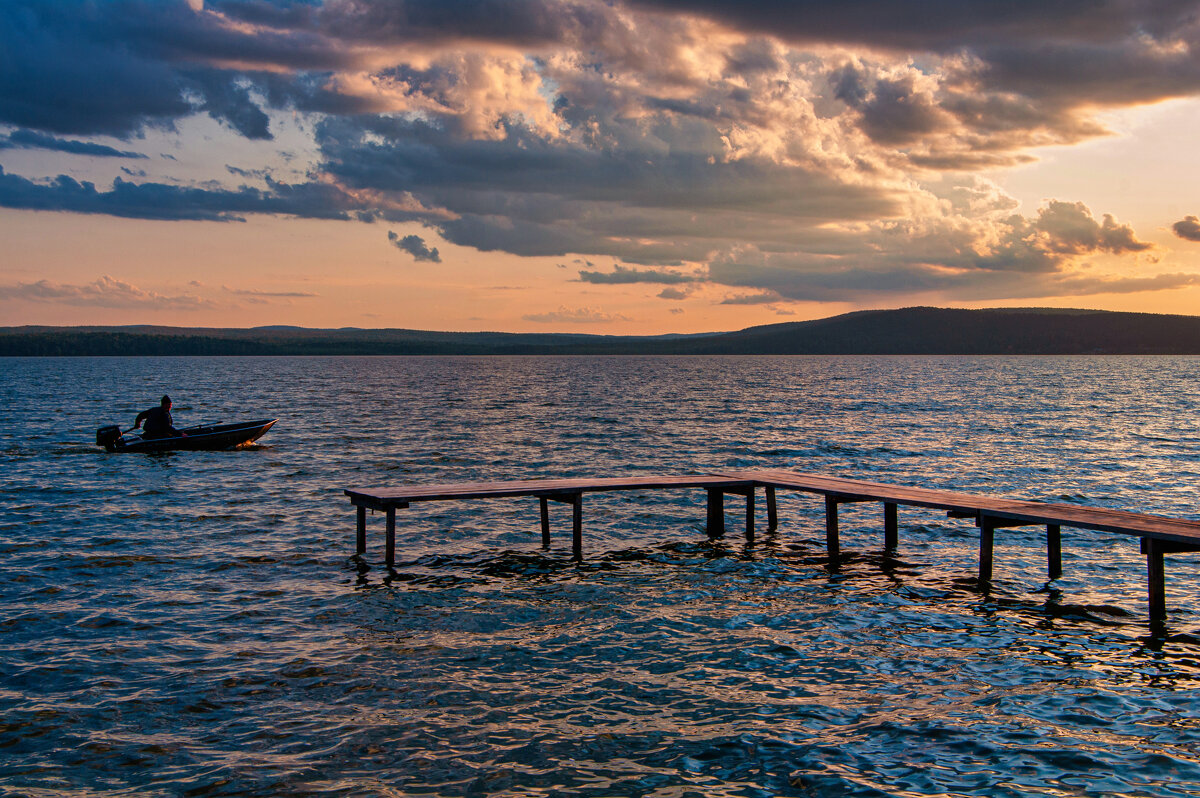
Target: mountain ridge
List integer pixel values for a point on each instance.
(901, 331)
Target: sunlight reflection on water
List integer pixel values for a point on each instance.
(194, 623)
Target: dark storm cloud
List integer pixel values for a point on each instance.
(1112, 73)
(937, 25)
(1187, 228)
(415, 246)
(647, 202)
(753, 58)
(892, 112)
(60, 75)
(309, 92)
(29, 139)
(282, 14)
(229, 101)
(167, 202)
(72, 66)
(1068, 54)
(515, 22)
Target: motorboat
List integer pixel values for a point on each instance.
(205, 437)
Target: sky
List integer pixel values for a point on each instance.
(595, 166)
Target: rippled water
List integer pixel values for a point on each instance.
(196, 624)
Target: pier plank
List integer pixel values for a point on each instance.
(381, 498)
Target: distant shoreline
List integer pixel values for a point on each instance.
(906, 331)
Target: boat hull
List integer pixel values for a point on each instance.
(206, 437)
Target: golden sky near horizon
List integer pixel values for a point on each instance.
(644, 166)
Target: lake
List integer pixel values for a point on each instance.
(196, 623)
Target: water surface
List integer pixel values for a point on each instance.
(195, 623)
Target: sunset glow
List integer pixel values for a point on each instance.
(642, 166)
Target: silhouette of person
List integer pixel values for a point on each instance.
(159, 423)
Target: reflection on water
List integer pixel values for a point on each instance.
(195, 624)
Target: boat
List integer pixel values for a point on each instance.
(205, 437)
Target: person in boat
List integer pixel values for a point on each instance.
(159, 423)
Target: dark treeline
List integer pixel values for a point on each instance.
(893, 332)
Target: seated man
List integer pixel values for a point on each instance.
(159, 423)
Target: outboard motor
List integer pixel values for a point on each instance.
(108, 437)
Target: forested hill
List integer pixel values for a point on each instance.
(891, 332)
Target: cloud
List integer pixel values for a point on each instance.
(106, 292)
(415, 246)
(169, 202)
(676, 292)
(1014, 74)
(29, 139)
(1070, 229)
(264, 294)
(760, 298)
(893, 111)
(1000, 255)
(1187, 228)
(804, 150)
(575, 316)
(938, 25)
(530, 195)
(229, 101)
(624, 275)
(1080, 285)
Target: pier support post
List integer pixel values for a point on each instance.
(577, 526)
(361, 537)
(831, 527)
(772, 511)
(987, 532)
(389, 553)
(1054, 550)
(750, 515)
(716, 513)
(891, 528)
(1156, 581)
(544, 506)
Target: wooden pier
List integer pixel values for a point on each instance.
(1159, 535)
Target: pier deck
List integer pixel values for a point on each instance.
(1159, 535)
(569, 491)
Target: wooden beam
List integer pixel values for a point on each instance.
(390, 543)
(577, 526)
(832, 500)
(1010, 523)
(361, 537)
(1171, 546)
(1156, 581)
(772, 510)
(1054, 550)
(832, 544)
(716, 513)
(987, 530)
(891, 528)
(544, 507)
(750, 516)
